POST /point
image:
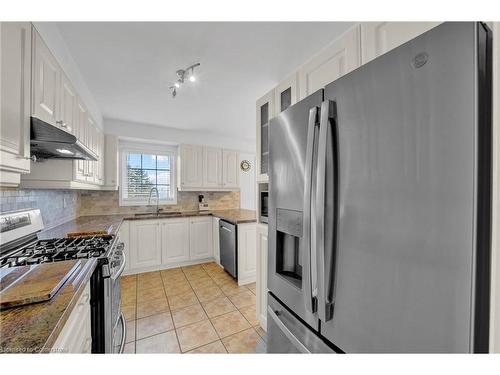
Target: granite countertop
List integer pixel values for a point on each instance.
(34, 328)
(108, 223)
(111, 223)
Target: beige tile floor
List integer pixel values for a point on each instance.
(193, 309)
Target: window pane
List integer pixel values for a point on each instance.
(145, 171)
(150, 178)
(137, 177)
(148, 161)
(163, 162)
(163, 178)
(134, 160)
(164, 192)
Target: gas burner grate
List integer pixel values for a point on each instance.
(59, 249)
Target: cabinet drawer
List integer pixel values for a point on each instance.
(76, 335)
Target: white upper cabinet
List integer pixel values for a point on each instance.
(378, 38)
(200, 238)
(15, 82)
(212, 167)
(175, 241)
(230, 170)
(68, 103)
(337, 59)
(46, 82)
(145, 241)
(208, 168)
(264, 113)
(111, 164)
(286, 93)
(191, 162)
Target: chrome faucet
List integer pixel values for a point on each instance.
(154, 188)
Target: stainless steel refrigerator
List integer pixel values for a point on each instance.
(379, 204)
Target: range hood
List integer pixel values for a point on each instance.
(49, 142)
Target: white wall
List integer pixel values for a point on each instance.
(52, 37)
(247, 183)
(140, 131)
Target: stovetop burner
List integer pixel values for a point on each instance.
(59, 249)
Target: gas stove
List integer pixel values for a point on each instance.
(58, 249)
(20, 246)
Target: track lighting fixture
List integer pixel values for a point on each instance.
(181, 76)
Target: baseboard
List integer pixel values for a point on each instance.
(167, 266)
(247, 280)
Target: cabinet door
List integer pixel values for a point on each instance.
(124, 236)
(46, 82)
(175, 241)
(286, 93)
(145, 249)
(100, 172)
(215, 238)
(191, 166)
(111, 160)
(200, 238)
(81, 125)
(230, 169)
(339, 58)
(68, 102)
(264, 112)
(261, 281)
(212, 167)
(378, 38)
(247, 249)
(91, 137)
(15, 83)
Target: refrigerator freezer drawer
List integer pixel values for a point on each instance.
(287, 334)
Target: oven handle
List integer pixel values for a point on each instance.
(122, 267)
(124, 336)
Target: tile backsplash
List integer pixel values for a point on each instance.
(107, 202)
(59, 206)
(56, 206)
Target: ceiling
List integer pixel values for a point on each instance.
(128, 67)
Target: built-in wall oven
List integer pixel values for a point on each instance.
(263, 203)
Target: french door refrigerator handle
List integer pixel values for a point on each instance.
(325, 263)
(309, 278)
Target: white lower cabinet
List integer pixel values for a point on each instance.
(124, 236)
(200, 238)
(215, 238)
(247, 259)
(145, 244)
(164, 243)
(174, 241)
(261, 287)
(76, 335)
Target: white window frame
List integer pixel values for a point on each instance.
(147, 148)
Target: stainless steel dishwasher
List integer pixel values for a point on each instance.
(228, 247)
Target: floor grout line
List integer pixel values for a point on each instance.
(218, 284)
